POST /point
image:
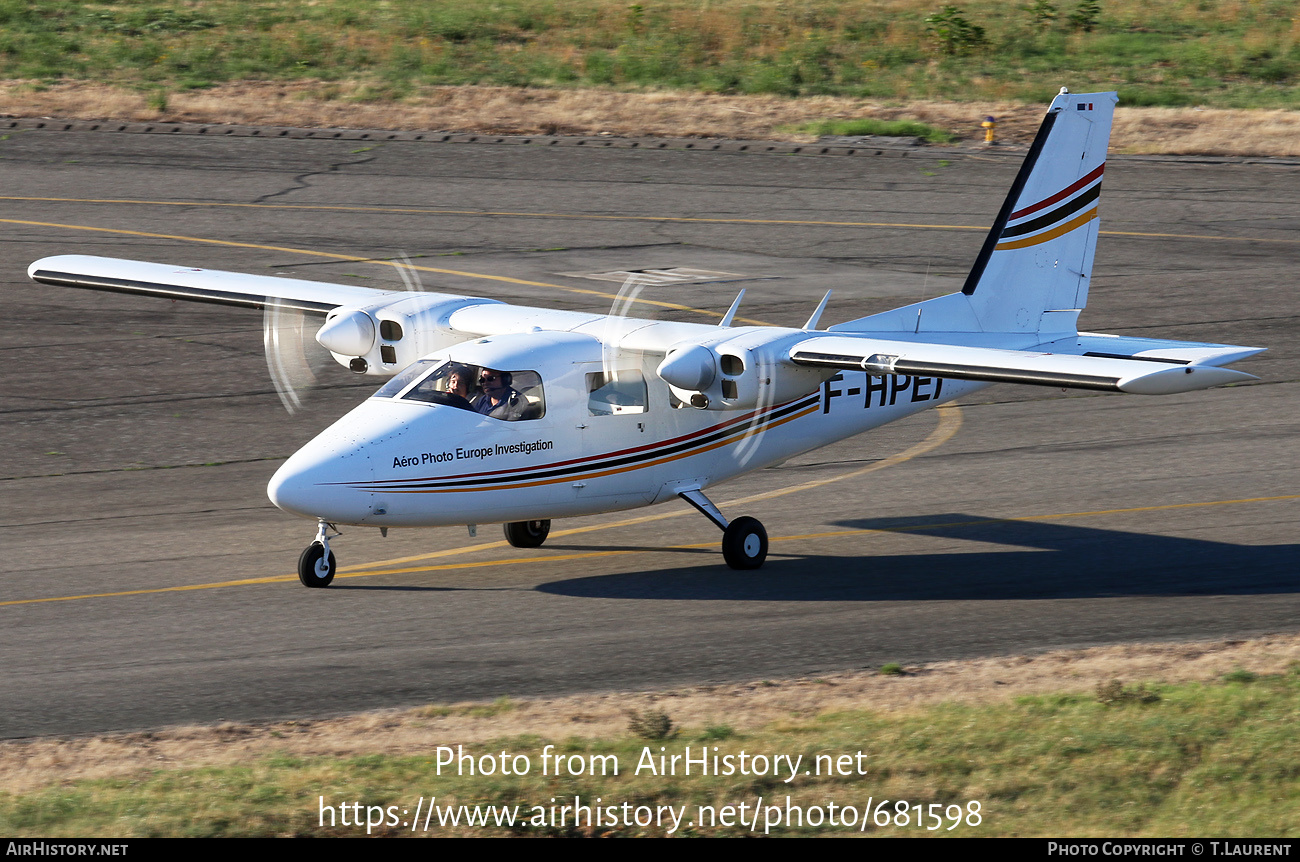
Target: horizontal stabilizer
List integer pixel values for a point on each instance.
(197, 285)
(1032, 367)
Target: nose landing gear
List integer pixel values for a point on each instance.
(744, 541)
(316, 566)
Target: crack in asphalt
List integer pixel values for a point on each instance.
(301, 179)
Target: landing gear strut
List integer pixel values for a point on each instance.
(527, 534)
(744, 541)
(316, 566)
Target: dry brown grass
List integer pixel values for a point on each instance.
(1196, 131)
(510, 110)
(29, 764)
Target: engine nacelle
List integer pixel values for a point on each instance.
(738, 369)
(382, 338)
(347, 332)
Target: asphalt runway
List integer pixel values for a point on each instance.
(146, 580)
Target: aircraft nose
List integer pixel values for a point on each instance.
(291, 491)
(316, 483)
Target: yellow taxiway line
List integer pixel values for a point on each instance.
(493, 213)
(600, 217)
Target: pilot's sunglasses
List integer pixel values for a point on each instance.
(488, 378)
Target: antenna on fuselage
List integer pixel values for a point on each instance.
(817, 315)
(731, 312)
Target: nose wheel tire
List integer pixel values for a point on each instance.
(527, 534)
(744, 543)
(314, 568)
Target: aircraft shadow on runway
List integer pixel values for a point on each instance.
(1042, 561)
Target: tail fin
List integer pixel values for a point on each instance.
(1033, 271)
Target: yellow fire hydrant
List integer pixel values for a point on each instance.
(989, 125)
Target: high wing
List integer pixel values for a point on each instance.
(466, 316)
(197, 285)
(371, 331)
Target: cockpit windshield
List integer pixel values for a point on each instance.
(403, 378)
(511, 396)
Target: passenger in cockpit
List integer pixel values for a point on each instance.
(460, 382)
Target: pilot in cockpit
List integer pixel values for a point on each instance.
(498, 398)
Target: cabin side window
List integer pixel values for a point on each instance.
(616, 392)
(511, 396)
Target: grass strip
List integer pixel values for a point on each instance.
(1164, 52)
(1128, 761)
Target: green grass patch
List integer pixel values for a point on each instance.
(887, 128)
(1194, 760)
(1165, 52)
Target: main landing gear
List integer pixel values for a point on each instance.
(316, 566)
(527, 534)
(744, 541)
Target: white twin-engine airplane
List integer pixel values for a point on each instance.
(499, 413)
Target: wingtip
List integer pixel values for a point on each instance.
(1186, 378)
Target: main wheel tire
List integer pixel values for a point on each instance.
(527, 534)
(744, 544)
(313, 569)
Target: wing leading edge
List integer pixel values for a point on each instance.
(197, 285)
